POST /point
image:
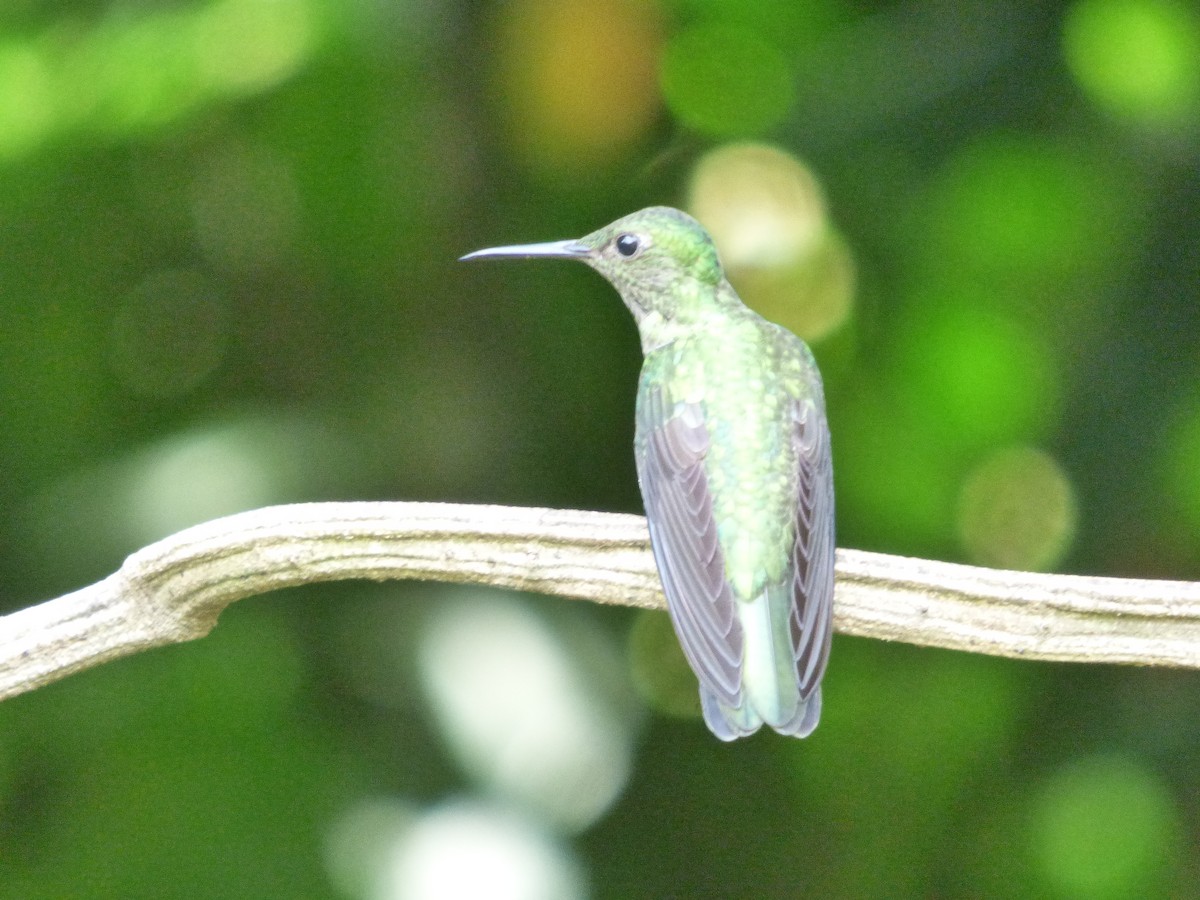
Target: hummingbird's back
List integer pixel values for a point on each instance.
(733, 461)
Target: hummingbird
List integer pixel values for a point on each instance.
(733, 460)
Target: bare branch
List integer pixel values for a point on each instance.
(173, 590)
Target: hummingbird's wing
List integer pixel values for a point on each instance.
(672, 444)
(813, 552)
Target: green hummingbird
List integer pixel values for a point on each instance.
(734, 464)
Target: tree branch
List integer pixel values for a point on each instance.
(172, 591)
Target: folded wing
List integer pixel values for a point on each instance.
(811, 617)
(673, 441)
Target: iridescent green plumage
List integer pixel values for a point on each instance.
(734, 464)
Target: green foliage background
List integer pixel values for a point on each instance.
(228, 278)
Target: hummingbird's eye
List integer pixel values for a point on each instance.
(628, 244)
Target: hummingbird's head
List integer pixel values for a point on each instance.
(651, 257)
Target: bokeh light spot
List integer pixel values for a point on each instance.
(762, 206)
(245, 208)
(578, 81)
(195, 477)
(133, 75)
(526, 718)
(142, 70)
(255, 458)
(726, 80)
(359, 845)
(1019, 209)
(26, 96)
(247, 45)
(1104, 828)
(169, 333)
(476, 850)
(984, 378)
(381, 850)
(1138, 59)
(811, 297)
(1017, 510)
(767, 216)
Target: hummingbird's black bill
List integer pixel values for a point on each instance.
(548, 250)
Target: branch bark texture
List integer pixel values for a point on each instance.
(174, 590)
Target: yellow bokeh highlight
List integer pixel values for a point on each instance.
(762, 204)
(1017, 510)
(578, 82)
(246, 45)
(1137, 59)
(767, 215)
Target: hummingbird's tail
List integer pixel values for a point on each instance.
(726, 722)
(729, 723)
(808, 714)
(769, 693)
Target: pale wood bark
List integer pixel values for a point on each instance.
(172, 591)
